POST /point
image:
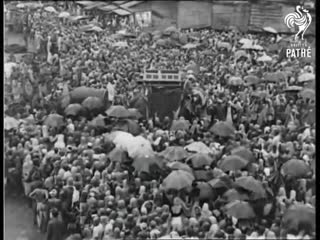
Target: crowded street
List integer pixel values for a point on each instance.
(118, 129)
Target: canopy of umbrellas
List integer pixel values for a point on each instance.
(248, 176)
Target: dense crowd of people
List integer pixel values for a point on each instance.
(240, 165)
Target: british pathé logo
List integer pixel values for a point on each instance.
(301, 18)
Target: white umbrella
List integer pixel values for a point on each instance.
(224, 45)
(120, 44)
(96, 29)
(29, 4)
(245, 41)
(139, 147)
(8, 69)
(123, 31)
(198, 147)
(50, 9)
(305, 77)
(264, 58)
(10, 123)
(270, 30)
(189, 46)
(64, 15)
(20, 5)
(247, 45)
(257, 47)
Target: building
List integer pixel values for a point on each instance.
(218, 14)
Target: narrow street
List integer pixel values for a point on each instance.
(18, 223)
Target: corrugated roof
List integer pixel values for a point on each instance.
(85, 3)
(121, 12)
(118, 2)
(94, 5)
(108, 8)
(130, 4)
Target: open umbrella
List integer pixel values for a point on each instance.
(233, 195)
(161, 42)
(308, 93)
(190, 46)
(134, 113)
(223, 129)
(299, 217)
(311, 85)
(170, 30)
(50, 9)
(181, 124)
(98, 122)
(77, 18)
(270, 30)
(174, 153)
(179, 166)
(29, 120)
(118, 111)
(31, 5)
(73, 109)
(293, 89)
(251, 80)
(118, 154)
(252, 185)
(206, 191)
(295, 168)
(225, 45)
(200, 160)
(120, 44)
(240, 53)
(203, 175)
(271, 77)
(305, 77)
(144, 164)
(257, 47)
(264, 58)
(244, 153)
(221, 182)
(235, 81)
(121, 138)
(178, 180)
(240, 210)
(233, 163)
(139, 147)
(198, 147)
(10, 123)
(245, 41)
(54, 120)
(259, 94)
(95, 29)
(64, 15)
(93, 103)
(247, 45)
(128, 125)
(79, 94)
(193, 67)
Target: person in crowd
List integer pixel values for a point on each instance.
(86, 191)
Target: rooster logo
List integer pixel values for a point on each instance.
(301, 18)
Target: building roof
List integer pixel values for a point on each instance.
(119, 7)
(121, 12)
